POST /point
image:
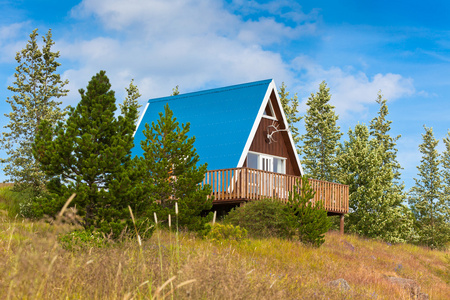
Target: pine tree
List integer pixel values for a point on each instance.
(393, 196)
(290, 107)
(372, 213)
(131, 100)
(446, 177)
(310, 221)
(91, 156)
(320, 142)
(36, 88)
(426, 199)
(379, 129)
(170, 161)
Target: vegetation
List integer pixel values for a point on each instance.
(299, 217)
(36, 88)
(309, 219)
(368, 164)
(262, 219)
(90, 155)
(35, 264)
(321, 140)
(171, 173)
(426, 200)
(226, 232)
(445, 164)
(290, 107)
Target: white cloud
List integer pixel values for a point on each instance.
(194, 44)
(353, 91)
(9, 44)
(199, 44)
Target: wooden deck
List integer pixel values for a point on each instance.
(245, 184)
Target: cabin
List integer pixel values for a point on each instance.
(242, 133)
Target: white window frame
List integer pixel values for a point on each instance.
(268, 156)
(273, 117)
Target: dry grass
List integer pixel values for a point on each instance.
(33, 265)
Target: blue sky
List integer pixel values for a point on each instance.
(358, 47)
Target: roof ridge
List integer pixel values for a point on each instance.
(211, 91)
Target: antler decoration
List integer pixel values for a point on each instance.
(275, 129)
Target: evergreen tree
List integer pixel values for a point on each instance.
(373, 213)
(446, 177)
(320, 142)
(170, 161)
(131, 100)
(379, 129)
(310, 220)
(290, 107)
(393, 196)
(426, 199)
(36, 88)
(90, 155)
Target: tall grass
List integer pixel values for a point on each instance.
(33, 265)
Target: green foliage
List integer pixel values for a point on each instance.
(82, 240)
(36, 88)
(321, 140)
(175, 91)
(426, 201)
(374, 211)
(90, 155)
(226, 232)
(310, 219)
(379, 129)
(263, 218)
(10, 200)
(171, 173)
(445, 165)
(131, 101)
(290, 107)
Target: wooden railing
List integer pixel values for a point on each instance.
(245, 184)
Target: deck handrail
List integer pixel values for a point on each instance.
(247, 184)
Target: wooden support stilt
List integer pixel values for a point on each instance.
(341, 225)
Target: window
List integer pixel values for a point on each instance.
(252, 160)
(266, 162)
(269, 112)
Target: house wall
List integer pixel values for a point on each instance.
(280, 147)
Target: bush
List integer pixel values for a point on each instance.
(263, 218)
(219, 232)
(82, 239)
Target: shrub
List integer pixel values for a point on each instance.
(82, 239)
(263, 218)
(310, 221)
(219, 232)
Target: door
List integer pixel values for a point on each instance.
(266, 163)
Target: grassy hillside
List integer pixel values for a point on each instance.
(34, 265)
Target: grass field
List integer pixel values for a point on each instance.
(34, 265)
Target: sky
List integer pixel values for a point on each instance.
(401, 48)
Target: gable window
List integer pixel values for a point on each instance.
(266, 162)
(268, 111)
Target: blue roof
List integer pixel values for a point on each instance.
(221, 120)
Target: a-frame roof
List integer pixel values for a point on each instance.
(223, 120)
